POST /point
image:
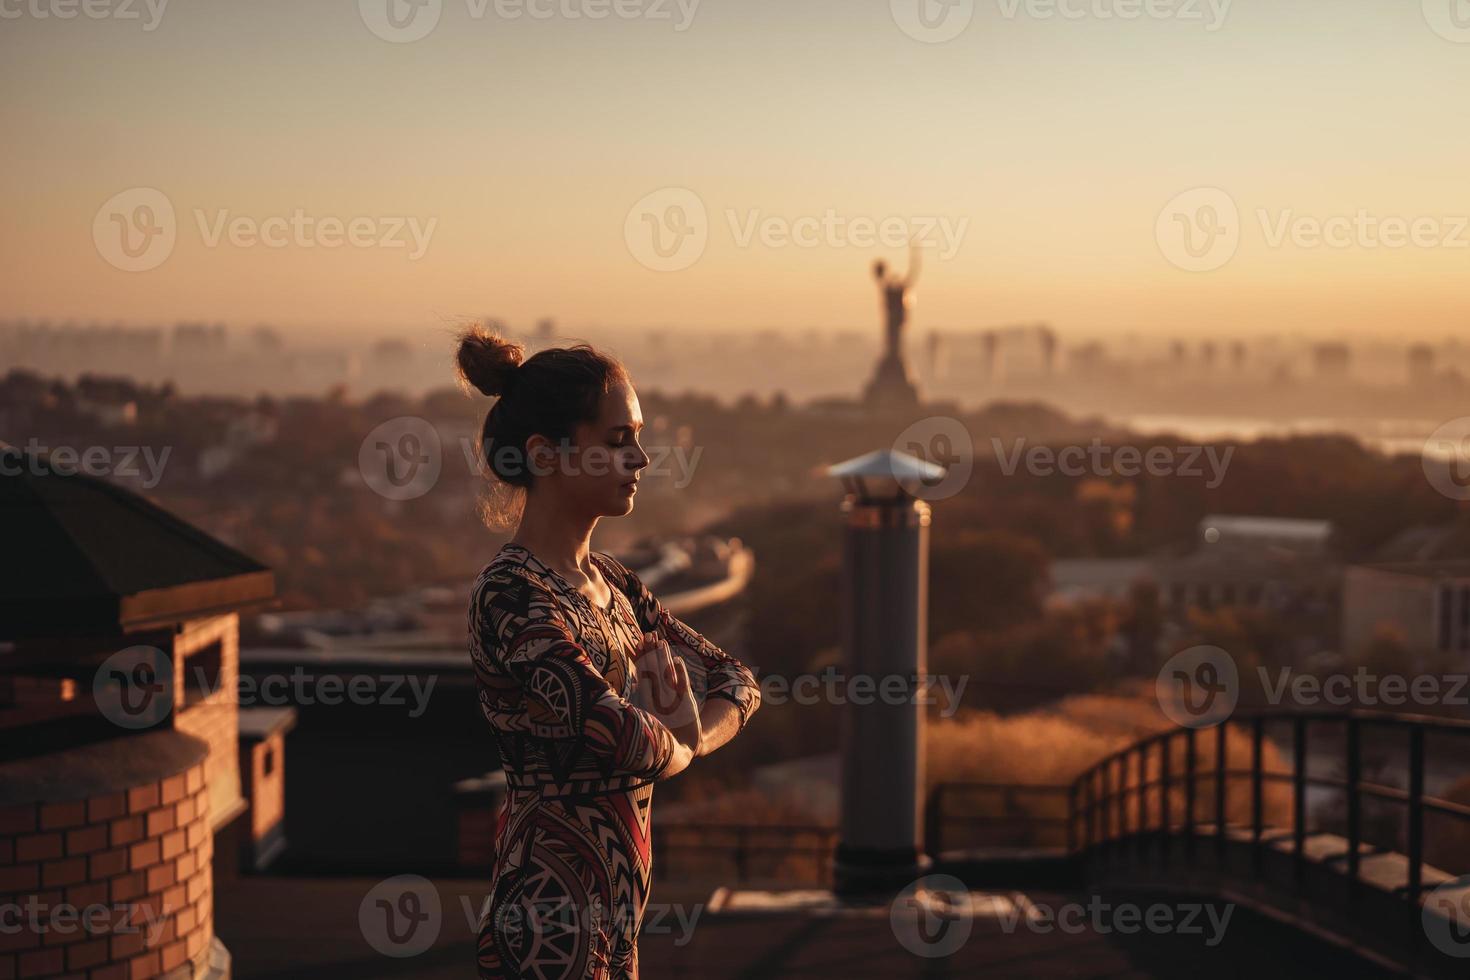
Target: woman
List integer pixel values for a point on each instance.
(592, 689)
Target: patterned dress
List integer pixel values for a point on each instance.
(554, 673)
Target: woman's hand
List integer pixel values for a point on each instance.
(663, 690)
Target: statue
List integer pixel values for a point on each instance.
(897, 299)
(891, 386)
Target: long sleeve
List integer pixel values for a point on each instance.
(524, 634)
(712, 671)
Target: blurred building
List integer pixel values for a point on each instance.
(1076, 580)
(1420, 360)
(1247, 534)
(1264, 562)
(243, 432)
(1239, 355)
(1090, 360)
(1423, 543)
(1331, 361)
(1425, 606)
(1276, 563)
(199, 340)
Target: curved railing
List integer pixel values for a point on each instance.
(1137, 792)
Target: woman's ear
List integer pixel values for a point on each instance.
(540, 456)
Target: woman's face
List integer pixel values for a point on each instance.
(599, 475)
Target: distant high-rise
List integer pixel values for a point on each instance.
(1331, 361)
(1421, 364)
(266, 340)
(199, 339)
(1090, 359)
(937, 355)
(1238, 354)
(990, 342)
(1049, 344)
(391, 352)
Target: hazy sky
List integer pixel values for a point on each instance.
(1036, 150)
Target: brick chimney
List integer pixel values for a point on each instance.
(119, 724)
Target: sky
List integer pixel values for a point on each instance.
(1157, 167)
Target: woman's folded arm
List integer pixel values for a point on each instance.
(714, 672)
(566, 696)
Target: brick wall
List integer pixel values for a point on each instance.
(215, 718)
(135, 867)
(267, 790)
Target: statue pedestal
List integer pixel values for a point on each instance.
(891, 387)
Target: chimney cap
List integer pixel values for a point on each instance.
(885, 475)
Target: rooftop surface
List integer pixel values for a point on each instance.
(296, 928)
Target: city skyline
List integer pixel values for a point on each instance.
(1047, 154)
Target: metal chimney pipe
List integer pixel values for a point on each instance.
(885, 593)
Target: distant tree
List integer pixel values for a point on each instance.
(984, 579)
(1142, 626)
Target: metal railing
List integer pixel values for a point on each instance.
(1136, 794)
(1000, 814)
(1014, 815)
(1099, 799)
(745, 844)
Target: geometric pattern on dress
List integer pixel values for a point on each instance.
(553, 674)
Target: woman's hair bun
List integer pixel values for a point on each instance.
(488, 361)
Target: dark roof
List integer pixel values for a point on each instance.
(1425, 543)
(1434, 570)
(86, 557)
(261, 723)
